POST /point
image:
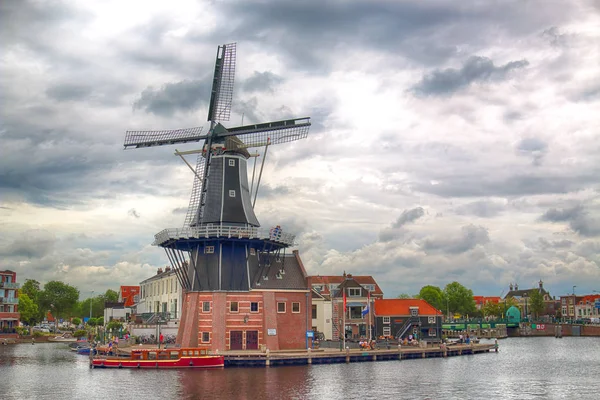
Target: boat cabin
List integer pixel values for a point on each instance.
(167, 354)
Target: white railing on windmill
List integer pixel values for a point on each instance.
(224, 231)
(219, 141)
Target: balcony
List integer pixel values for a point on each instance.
(9, 316)
(10, 285)
(9, 300)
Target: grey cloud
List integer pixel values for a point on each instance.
(557, 244)
(408, 216)
(31, 244)
(172, 97)
(534, 148)
(67, 92)
(179, 210)
(469, 237)
(262, 82)
(481, 208)
(580, 220)
(476, 69)
(482, 185)
(560, 215)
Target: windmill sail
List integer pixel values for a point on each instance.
(222, 88)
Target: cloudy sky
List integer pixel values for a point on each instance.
(450, 140)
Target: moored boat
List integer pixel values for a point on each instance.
(65, 338)
(160, 358)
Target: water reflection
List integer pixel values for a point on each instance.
(524, 368)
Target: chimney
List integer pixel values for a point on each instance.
(160, 271)
(541, 284)
(167, 269)
(516, 286)
(510, 287)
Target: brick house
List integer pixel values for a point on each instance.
(398, 318)
(274, 313)
(9, 301)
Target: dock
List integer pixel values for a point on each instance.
(331, 356)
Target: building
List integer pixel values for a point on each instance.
(160, 293)
(481, 301)
(586, 307)
(129, 295)
(321, 314)
(9, 302)
(327, 300)
(273, 314)
(522, 297)
(328, 314)
(399, 318)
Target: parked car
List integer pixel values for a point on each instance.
(40, 329)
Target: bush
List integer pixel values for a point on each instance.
(80, 333)
(23, 331)
(37, 334)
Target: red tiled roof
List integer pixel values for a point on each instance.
(385, 307)
(484, 299)
(590, 297)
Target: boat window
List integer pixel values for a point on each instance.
(196, 352)
(152, 355)
(174, 355)
(163, 355)
(136, 356)
(184, 353)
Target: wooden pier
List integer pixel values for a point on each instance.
(331, 356)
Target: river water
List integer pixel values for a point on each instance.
(524, 368)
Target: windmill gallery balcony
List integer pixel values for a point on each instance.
(223, 231)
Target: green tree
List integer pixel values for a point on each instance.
(100, 321)
(31, 288)
(92, 322)
(59, 298)
(76, 321)
(460, 299)
(490, 309)
(28, 309)
(404, 296)
(434, 296)
(111, 296)
(536, 303)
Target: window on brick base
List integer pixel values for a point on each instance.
(280, 307)
(254, 307)
(233, 306)
(205, 337)
(295, 307)
(206, 306)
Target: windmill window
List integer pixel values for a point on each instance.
(252, 251)
(232, 193)
(232, 163)
(209, 249)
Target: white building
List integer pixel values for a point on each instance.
(161, 294)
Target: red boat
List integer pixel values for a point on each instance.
(160, 358)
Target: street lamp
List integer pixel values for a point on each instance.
(91, 300)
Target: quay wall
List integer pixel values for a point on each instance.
(528, 329)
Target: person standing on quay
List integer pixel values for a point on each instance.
(161, 338)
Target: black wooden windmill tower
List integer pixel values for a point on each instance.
(221, 232)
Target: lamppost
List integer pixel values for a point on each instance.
(91, 301)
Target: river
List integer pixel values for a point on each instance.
(524, 368)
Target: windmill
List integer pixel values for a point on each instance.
(221, 237)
